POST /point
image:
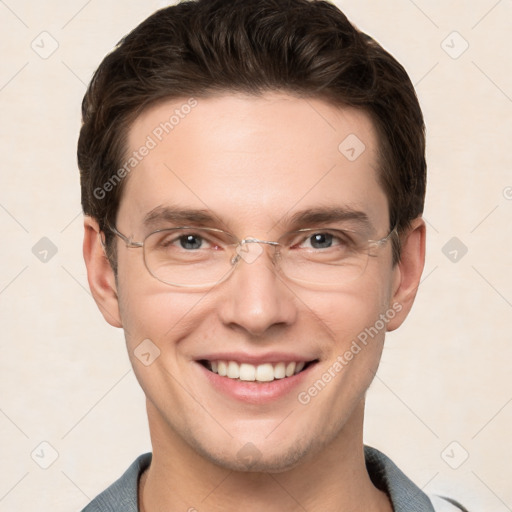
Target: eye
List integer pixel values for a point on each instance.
(321, 240)
(182, 241)
(190, 241)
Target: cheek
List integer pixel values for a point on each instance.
(166, 319)
(152, 310)
(345, 314)
(149, 308)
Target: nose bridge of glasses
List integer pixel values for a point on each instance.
(250, 253)
(252, 240)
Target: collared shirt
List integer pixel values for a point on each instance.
(122, 495)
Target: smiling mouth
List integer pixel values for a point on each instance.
(266, 372)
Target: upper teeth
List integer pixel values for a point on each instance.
(266, 372)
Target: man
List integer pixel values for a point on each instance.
(253, 179)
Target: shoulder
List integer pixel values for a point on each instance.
(122, 495)
(404, 494)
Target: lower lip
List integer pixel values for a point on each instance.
(256, 392)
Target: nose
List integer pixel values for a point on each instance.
(255, 298)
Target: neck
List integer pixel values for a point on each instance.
(335, 479)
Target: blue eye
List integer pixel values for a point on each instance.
(321, 240)
(190, 242)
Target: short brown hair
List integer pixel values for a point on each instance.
(201, 47)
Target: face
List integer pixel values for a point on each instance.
(255, 166)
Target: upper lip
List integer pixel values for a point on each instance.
(254, 359)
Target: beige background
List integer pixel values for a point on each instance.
(444, 377)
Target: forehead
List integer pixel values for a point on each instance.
(252, 159)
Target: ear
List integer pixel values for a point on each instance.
(408, 272)
(100, 274)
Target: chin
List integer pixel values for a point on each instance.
(250, 459)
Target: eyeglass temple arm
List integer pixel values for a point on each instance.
(128, 241)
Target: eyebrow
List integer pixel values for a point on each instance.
(305, 218)
(328, 215)
(173, 215)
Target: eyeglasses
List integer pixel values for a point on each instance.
(192, 257)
